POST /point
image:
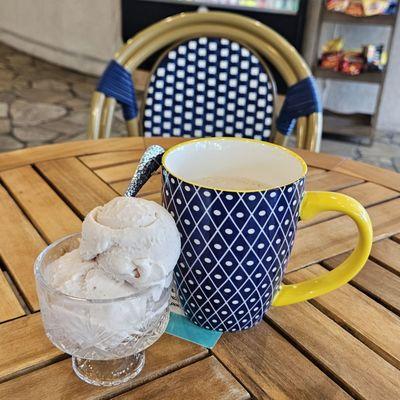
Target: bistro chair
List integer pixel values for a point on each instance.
(210, 80)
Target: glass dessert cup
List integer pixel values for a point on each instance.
(105, 337)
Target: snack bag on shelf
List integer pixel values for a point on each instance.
(355, 8)
(352, 63)
(331, 54)
(330, 61)
(392, 7)
(375, 7)
(362, 8)
(337, 5)
(375, 58)
(334, 45)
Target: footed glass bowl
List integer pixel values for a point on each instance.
(105, 337)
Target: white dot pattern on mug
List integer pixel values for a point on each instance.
(209, 87)
(242, 255)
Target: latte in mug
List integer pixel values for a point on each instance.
(231, 183)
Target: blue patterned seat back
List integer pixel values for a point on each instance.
(209, 87)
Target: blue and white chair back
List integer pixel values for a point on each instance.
(209, 87)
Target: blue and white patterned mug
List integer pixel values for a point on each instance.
(236, 243)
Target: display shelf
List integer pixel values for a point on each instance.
(356, 125)
(341, 18)
(348, 124)
(371, 77)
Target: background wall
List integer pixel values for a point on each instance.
(80, 34)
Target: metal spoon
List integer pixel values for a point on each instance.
(149, 163)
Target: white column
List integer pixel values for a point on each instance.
(79, 34)
(388, 108)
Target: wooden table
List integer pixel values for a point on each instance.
(341, 345)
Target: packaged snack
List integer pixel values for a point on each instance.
(331, 54)
(331, 61)
(392, 7)
(352, 63)
(333, 45)
(374, 7)
(337, 5)
(362, 8)
(375, 58)
(355, 8)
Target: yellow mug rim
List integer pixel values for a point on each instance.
(208, 139)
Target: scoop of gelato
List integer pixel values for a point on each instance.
(71, 275)
(133, 240)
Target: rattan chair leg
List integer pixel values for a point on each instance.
(301, 132)
(314, 132)
(107, 117)
(133, 127)
(95, 115)
(281, 139)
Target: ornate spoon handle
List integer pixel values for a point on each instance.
(150, 162)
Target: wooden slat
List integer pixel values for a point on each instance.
(204, 379)
(58, 381)
(154, 197)
(329, 238)
(117, 172)
(319, 160)
(82, 189)
(152, 186)
(365, 373)
(20, 245)
(9, 304)
(376, 281)
(24, 346)
(120, 187)
(387, 253)
(311, 171)
(107, 159)
(50, 215)
(151, 190)
(68, 149)
(331, 181)
(349, 307)
(271, 368)
(368, 194)
(370, 172)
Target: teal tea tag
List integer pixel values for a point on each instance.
(181, 327)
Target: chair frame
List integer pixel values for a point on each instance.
(251, 33)
(174, 46)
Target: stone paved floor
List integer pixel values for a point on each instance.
(42, 103)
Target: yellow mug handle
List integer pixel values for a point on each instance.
(313, 203)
